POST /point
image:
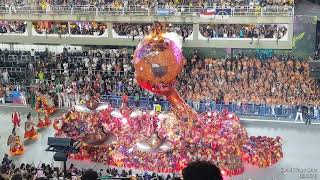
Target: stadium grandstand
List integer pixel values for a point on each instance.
(159, 90)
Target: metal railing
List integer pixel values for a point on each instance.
(13, 69)
(86, 71)
(138, 10)
(239, 109)
(11, 81)
(14, 61)
(262, 110)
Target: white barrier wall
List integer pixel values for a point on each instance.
(28, 47)
(110, 37)
(35, 33)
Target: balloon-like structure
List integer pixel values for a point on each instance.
(167, 141)
(158, 61)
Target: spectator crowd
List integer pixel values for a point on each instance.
(132, 30)
(46, 27)
(249, 81)
(76, 28)
(242, 31)
(43, 4)
(10, 171)
(91, 28)
(147, 6)
(88, 28)
(141, 30)
(243, 80)
(17, 27)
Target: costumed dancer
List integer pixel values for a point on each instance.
(50, 105)
(42, 109)
(15, 117)
(30, 132)
(16, 147)
(45, 122)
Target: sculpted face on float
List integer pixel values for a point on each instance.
(158, 60)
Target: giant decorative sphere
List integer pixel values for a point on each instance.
(157, 62)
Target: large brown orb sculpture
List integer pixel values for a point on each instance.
(157, 62)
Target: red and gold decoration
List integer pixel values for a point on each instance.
(44, 107)
(44, 122)
(164, 145)
(44, 104)
(92, 103)
(166, 141)
(57, 125)
(30, 132)
(154, 144)
(16, 147)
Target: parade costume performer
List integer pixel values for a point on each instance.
(16, 147)
(30, 132)
(45, 104)
(43, 122)
(15, 117)
(44, 107)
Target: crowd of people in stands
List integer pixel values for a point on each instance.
(17, 27)
(9, 170)
(263, 3)
(130, 29)
(91, 28)
(133, 30)
(140, 30)
(184, 30)
(242, 31)
(46, 27)
(88, 28)
(249, 80)
(243, 80)
(76, 28)
(123, 3)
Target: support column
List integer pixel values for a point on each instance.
(290, 33)
(29, 28)
(195, 31)
(11, 48)
(69, 29)
(110, 28)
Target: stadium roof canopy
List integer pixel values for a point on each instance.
(307, 8)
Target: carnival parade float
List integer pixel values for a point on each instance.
(165, 141)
